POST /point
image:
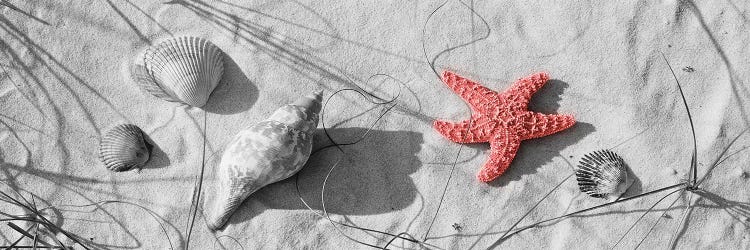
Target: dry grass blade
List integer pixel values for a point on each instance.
(199, 188)
(659, 219)
(153, 214)
(644, 215)
(719, 160)
(12, 246)
(532, 209)
(235, 240)
(333, 167)
(694, 159)
(35, 247)
(594, 208)
(339, 146)
(25, 233)
(685, 213)
(36, 240)
(39, 218)
(434, 70)
(424, 28)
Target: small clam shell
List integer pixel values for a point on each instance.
(603, 174)
(182, 69)
(124, 148)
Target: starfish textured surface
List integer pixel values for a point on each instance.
(502, 119)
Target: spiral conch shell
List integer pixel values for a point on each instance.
(603, 174)
(124, 148)
(181, 69)
(269, 151)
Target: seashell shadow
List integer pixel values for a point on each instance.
(372, 178)
(636, 187)
(235, 92)
(158, 158)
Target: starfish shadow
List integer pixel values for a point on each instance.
(547, 99)
(535, 153)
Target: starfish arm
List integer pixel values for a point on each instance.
(539, 124)
(461, 132)
(476, 95)
(503, 148)
(527, 86)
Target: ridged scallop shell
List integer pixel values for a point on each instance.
(123, 148)
(603, 174)
(269, 151)
(182, 69)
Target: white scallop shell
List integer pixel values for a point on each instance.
(123, 148)
(182, 69)
(603, 174)
(269, 151)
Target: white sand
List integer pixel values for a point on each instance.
(64, 83)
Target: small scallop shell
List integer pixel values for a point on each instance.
(124, 148)
(603, 174)
(182, 69)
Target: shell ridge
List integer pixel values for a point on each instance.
(183, 68)
(156, 64)
(601, 174)
(123, 148)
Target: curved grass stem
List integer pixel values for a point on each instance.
(595, 207)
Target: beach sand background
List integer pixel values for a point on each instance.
(65, 81)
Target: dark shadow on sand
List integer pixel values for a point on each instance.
(235, 93)
(535, 153)
(637, 187)
(372, 178)
(739, 210)
(157, 159)
(547, 99)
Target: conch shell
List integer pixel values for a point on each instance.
(269, 151)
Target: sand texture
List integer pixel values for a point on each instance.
(65, 80)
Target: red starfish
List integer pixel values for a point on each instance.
(502, 119)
